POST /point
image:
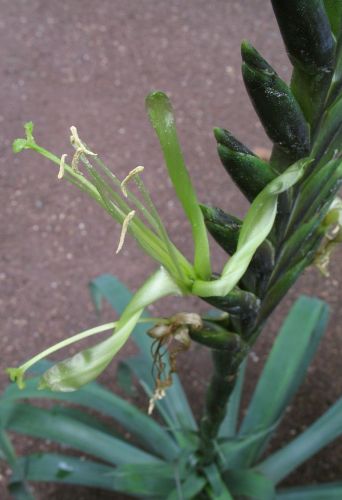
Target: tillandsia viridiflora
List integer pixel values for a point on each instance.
(294, 218)
(176, 275)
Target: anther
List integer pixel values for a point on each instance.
(61, 167)
(76, 141)
(124, 229)
(137, 170)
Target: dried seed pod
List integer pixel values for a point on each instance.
(191, 320)
(275, 105)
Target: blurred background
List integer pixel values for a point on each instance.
(90, 63)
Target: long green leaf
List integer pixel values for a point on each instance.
(41, 423)
(334, 11)
(250, 484)
(233, 452)
(161, 115)
(148, 432)
(322, 432)
(329, 491)
(19, 489)
(285, 368)
(191, 487)
(172, 414)
(135, 479)
(255, 229)
(175, 406)
(51, 467)
(218, 488)
(229, 424)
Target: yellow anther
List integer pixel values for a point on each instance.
(124, 229)
(61, 167)
(135, 171)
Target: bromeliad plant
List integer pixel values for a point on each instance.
(294, 221)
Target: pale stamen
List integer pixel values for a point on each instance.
(137, 170)
(76, 141)
(124, 229)
(61, 167)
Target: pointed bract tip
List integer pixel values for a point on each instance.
(219, 134)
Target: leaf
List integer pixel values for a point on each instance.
(134, 479)
(255, 229)
(285, 368)
(52, 467)
(334, 11)
(175, 416)
(327, 428)
(229, 424)
(175, 407)
(330, 128)
(145, 429)
(148, 480)
(191, 487)
(328, 491)
(219, 489)
(233, 452)
(47, 424)
(124, 380)
(161, 116)
(86, 365)
(19, 489)
(250, 484)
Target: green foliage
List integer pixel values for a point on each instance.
(160, 460)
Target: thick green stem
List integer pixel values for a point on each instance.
(226, 366)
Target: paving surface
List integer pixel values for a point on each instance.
(91, 64)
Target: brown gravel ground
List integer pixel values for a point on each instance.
(91, 63)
